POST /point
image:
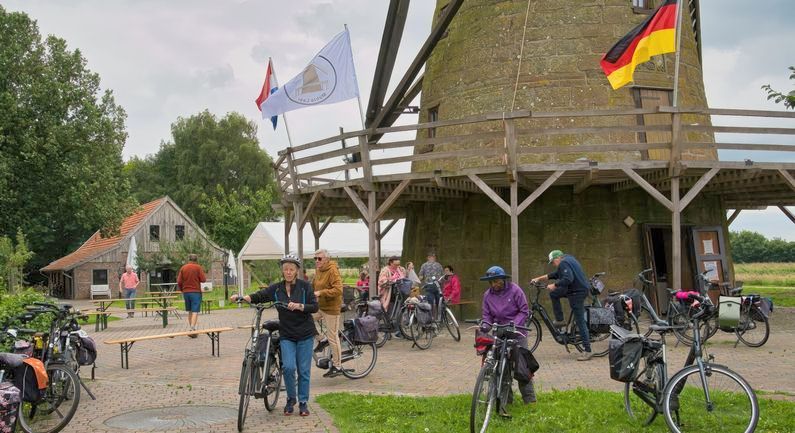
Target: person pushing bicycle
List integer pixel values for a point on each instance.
(505, 302)
(572, 284)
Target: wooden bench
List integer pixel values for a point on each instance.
(460, 306)
(162, 311)
(206, 303)
(101, 320)
(125, 344)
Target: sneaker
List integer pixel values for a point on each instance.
(289, 407)
(585, 356)
(527, 399)
(559, 323)
(303, 409)
(503, 413)
(333, 372)
(193, 336)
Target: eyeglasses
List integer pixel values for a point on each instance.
(317, 259)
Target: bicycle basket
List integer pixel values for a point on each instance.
(597, 286)
(483, 342)
(404, 285)
(624, 355)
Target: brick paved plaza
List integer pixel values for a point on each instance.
(170, 374)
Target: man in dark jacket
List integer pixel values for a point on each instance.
(571, 283)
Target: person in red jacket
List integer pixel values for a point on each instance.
(189, 280)
(452, 286)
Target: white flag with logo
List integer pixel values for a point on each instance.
(330, 77)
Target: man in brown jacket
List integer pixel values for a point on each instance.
(189, 280)
(328, 290)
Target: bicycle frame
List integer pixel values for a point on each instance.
(564, 338)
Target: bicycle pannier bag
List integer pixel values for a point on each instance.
(10, 399)
(599, 319)
(729, 312)
(374, 308)
(483, 342)
(615, 303)
(86, 351)
(624, 355)
(765, 306)
(22, 347)
(31, 379)
(262, 347)
(525, 364)
(365, 329)
(424, 313)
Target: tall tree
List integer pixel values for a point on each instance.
(215, 171)
(61, 139)
(788, 99)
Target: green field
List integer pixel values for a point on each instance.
(579, 410)
(766, 274)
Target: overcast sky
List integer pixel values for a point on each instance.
(166, 59)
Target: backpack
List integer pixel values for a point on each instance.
(524, 365)
(624, 355)
(599, 319)
(365, 329)
(86, 350)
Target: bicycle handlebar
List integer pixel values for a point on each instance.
(642, 276)
(498, 325)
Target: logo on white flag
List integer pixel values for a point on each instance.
(315, 84)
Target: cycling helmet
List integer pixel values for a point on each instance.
(290, 258)
(494, 273)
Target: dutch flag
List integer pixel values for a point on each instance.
(268, 87)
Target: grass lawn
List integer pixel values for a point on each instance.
(578, 410)
(93, 320)
(782, 296)
(766, 274)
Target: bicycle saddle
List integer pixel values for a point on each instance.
(736, 291)
(271, 325)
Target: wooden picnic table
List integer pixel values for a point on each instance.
(104, 304)
(165, 288)
(206, 303)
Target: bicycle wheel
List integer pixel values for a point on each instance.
(640, 396)
(732, 405)
(683, 328)
(452, 324)
(421, 334)
(754, 328)
(483, 400)
(534, 335)
(403, 324)
(245, 389)
(272, 382)
(358, 359)
(58, 405)
(600, 341)
(383, 331)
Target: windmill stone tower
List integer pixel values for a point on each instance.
(543, 56)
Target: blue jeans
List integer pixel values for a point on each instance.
(129, 295)
(577, 303)
(297, 354)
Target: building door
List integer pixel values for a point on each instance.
(658, 242)
(710, 252)
(652, 98)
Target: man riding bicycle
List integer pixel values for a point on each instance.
(572, 284)
(505, 302)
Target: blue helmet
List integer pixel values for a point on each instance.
(494, 273)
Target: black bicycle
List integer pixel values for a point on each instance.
(493, 386)
(261, 372)
(568, 335)
(700, 397)
(752, 328)
(358, 358)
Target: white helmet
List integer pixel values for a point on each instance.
(290, 258)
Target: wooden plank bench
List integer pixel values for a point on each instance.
(101, 322)
(460, 306)
(125, 344)
(162, 311)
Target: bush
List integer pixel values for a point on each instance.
(12, 305)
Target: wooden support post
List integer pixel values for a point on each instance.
(540, 190)
(515, 231)
(389, 226)
(733, 216)
(367, 169)
(787, 213)
(307, 213)
(510, 148)
(378, 236)
(490, 193)
(651, 190)
(788, 177)
(325, 225)
(372, 230)
(313, 224)
(391, 199)
(298, 206)
(676, 144)
(697, 187)
(676, 235)
(288, 223)
(587, 181)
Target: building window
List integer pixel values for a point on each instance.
(100, 276)
(179, 232)
(433, 116)
(642, 6)
(154, 233)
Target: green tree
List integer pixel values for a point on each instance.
(778, 97)
(175, 254)
(61, 139)
(752, 247)
(215, 171)
(13, 259)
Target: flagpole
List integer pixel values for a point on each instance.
(284, 115)
(358, 96)
(679, 8)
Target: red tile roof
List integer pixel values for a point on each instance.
(96, 244)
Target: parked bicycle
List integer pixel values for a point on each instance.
(568, 335)
(702, 396)
(426, 320)
(261, 372)
(493, 385)
(394, 319)
(358, 358)
(752, 327)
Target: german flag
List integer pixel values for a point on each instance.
(656, 35)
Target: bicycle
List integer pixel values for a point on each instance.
(568, 334)
(261, 372)
(753, 328)
(61, 398)
(361, 357)
(395, 318)
(493, 385)
(718, 391)
(423, 332)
